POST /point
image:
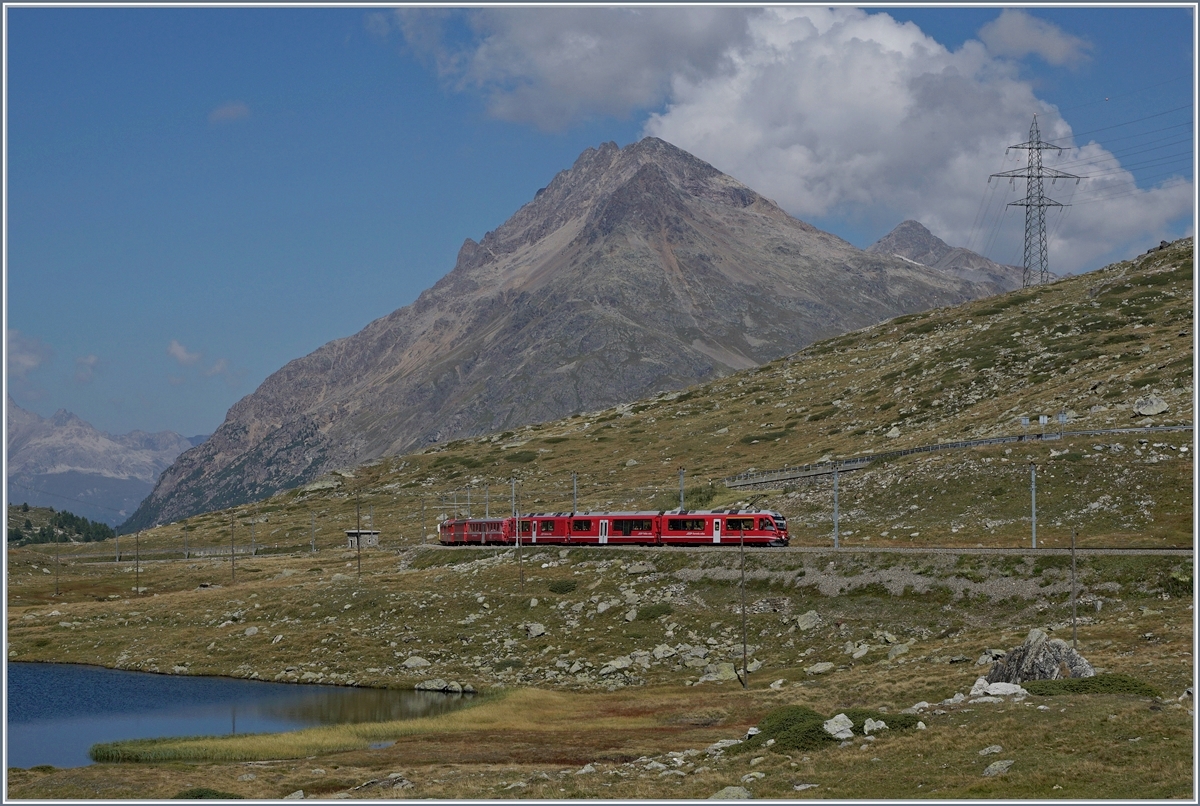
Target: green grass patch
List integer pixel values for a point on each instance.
(205, 793)
(654, 611)
(520, 457)
(1114, 683)
(563, 585)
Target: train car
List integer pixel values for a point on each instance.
(475, 531)
(677, 528)
(617, 528)
(723, 527)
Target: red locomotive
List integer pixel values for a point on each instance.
(678, 528)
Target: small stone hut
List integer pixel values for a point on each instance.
(369, 537)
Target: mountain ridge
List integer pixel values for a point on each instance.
(52, 460)
(911, 240)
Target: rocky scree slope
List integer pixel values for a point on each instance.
(637, 270)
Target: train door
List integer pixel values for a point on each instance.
(716, 530)
(603, 531)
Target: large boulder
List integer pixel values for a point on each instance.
(1040, 658)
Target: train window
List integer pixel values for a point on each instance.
(526, 527)
(626, 527)
(766, 523)
(547, 528)
(685, 525)
(738, 524)
(581, 526)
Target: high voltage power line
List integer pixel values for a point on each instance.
(1116, 178)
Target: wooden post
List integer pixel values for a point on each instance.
(358, 539)
(232, 558)
(745, 671)
(137, 563)
(1074, 614)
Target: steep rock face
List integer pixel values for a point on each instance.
(912, 241)
(66, 463)
(637, 270)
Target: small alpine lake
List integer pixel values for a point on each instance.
(57, 711)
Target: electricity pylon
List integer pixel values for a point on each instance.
(1037, 257)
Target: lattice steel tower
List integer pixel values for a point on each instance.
(1037, 258)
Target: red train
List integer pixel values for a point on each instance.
(680, 528)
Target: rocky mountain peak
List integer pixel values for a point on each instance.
(910, 239)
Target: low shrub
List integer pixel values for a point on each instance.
(1114, 683)
(521, 456)
(563, 585)
(654, 611)
(204, 793)
(509, 663)
(797, 727)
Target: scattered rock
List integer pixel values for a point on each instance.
(732, 793)
(819, 668)
(997, 768)
(808, 620)
(631, 614)
(252, 631)
(534, 630)
(778, 684)
(839, 727)
(297, 795)
(987, 751)
(897, 651)
(585, 769)
(616, 664)
(719, 746)
(663, 651)
(640, 568)
(892, 434)
(1150, 406)
(714, 672)
(437, 684)
(872, 725)
(802, 787)
(1040, 658)
(631, 463)
(753, 776)
(416, 662)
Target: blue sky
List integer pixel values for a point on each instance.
(196, 196)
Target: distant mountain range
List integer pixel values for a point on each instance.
(64, 463)
(640, 269)
(912, 241)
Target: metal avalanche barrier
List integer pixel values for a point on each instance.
(768, 477)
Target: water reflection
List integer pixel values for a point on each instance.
(57, 711)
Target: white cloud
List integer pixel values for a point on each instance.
(1017, 34)
(26, 353)
(85, 368)
(217, 368)
(557, 66)
(234, 110)
(837, 114)
(181, 354)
